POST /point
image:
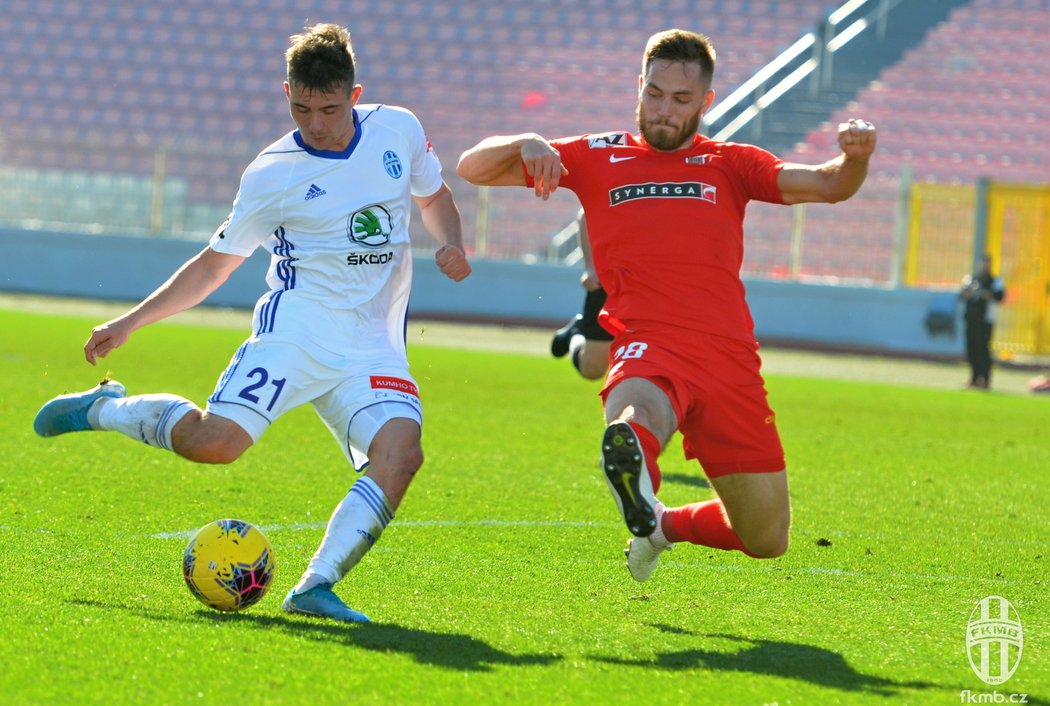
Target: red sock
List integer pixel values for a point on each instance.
(702, 523)
(650, 451)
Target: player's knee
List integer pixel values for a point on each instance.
(403, 461)
(768, 547)
(395, 453)
(215, 450)
(769, 542)
(206, 438)
(590, 370)
(411, 460)
(399, 470)
(590, 364)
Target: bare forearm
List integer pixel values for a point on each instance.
(834, 180)
(188, 286)
(495, 161)
(195, 280)
(442, 220)
(845, 176)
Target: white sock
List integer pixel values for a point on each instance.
(146, 418)
(658, 538)
(355, 526)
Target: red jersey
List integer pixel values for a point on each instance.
(666, 228)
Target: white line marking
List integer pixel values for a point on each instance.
(745, 568)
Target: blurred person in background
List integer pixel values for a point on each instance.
(981, 295)
(583, 338)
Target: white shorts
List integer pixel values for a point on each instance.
(355, 393)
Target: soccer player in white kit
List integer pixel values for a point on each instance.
(331, 202)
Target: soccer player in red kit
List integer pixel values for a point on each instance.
(665, 214)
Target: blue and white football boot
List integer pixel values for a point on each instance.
(67, 413)
(320, 601)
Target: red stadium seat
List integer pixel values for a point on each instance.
(203, 80)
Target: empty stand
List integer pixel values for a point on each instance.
(99, 90)
(970, 102)
(202, 81)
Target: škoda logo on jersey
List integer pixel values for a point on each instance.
(370, 226)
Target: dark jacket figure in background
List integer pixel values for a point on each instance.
(981, 294)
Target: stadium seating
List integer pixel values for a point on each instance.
(970, 102)
(104, 87)
(201, 81)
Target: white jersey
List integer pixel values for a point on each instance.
(336, 224)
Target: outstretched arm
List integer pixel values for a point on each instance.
(835, 180)
(441, 219)
(496, 161)
(190, 285)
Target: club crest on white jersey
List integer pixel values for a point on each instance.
(392, 164)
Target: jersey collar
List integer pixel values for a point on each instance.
(331, 154)
(698, 139)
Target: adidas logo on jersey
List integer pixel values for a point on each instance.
(314, 191)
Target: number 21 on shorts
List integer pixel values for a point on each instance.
(263, 389)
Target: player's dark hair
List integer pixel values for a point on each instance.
(680, 45)
(321, 59)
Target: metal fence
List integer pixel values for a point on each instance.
(951, 225)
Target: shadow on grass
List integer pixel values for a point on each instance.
(790, 660)
(447, 650)
(686, 479)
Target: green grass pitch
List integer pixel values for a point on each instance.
(502, 578)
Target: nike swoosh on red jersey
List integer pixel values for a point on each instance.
(613, 159)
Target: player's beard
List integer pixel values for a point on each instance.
(664, 140)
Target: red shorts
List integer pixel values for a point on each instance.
(717, 393)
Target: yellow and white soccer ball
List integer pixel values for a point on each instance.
(228, 564)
